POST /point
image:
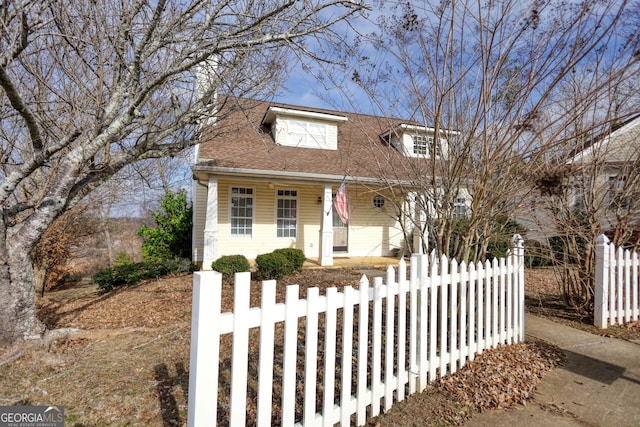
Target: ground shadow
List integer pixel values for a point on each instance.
(51, 313)
(165, 384)
(554, 306)
(596, 369)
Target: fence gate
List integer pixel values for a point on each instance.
(617, 284)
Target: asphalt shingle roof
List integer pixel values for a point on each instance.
(240, 141)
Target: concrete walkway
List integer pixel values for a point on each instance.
(598, 386)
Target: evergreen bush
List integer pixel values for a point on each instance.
(229, 265)
(295, 256)
(273, 265)
(171, 238)
(537, 254)
(122, 258)
(132, 274)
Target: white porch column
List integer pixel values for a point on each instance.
(419, 219)
(326, 229)
(210, 251)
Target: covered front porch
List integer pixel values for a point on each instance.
(364, 262)
(253, 216)
(355, 262)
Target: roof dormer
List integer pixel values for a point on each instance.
(306, 129)
(418, 141)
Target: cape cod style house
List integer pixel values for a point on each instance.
(270, 176)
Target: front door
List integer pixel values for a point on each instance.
(340, 233)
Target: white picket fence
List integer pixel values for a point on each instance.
(617, 284)
(401, 334)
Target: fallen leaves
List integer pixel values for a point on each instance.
(502, 377)
(495, 379)
(151, 304)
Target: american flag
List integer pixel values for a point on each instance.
(341, 203)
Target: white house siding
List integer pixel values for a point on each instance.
(264, 237)
(309, 219)
(199, 216)
(406, 144)
(372, 231)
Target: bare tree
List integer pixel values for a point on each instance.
(495, 74)
(591, 188)
(89, 87)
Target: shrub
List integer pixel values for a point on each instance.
(230, 264)
(537, 254)
(273, 265)
(122, 258)
(52, 254)
(172, 235)
(179, 265)
(568, 248)
(132, 274)
(490, 244)
(295, 256)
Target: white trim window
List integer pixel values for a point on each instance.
(581, 187)
(241, 217)
(460, 208)
(378, 201)
(420, 145)
(423, 145)
(616, 197)
(286, 213)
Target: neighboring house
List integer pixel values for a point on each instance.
(599, 182)
(608, 167)
(267, 175)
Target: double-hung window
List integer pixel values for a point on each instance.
(460, 208)
(287, 213)
(581, 187)
(617, 193)
(420, 145)
(241, 211)
(424, 146)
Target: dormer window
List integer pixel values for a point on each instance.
(303, 129)
(423, 145)
(420, 144)
(418, 141)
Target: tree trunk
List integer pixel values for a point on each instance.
(107, 237)
(40, 278)
(18, 320)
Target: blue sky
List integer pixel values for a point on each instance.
(303, 88)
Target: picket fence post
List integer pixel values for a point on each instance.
(267, 337)
(517, 245)
(600, 312)
(205, 348)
